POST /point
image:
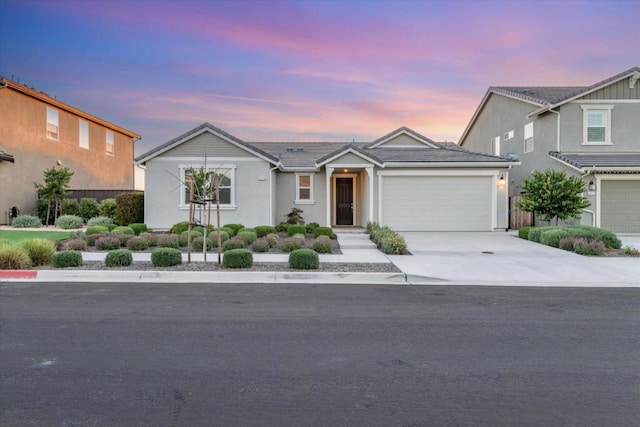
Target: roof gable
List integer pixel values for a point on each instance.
(349, 149)
(403, 137)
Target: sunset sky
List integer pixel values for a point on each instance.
(306, 70)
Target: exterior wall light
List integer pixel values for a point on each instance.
(592, 186)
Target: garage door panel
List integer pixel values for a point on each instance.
(620, 206)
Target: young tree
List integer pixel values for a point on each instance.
(54, 189)
(553, 194)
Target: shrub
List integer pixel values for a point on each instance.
(26, 221)
(311, 226)
(595, 248)
(300, 237)
(523, 233)
(107, 243)
(553, 236)
(233, 243)
(119, 258)
(322, 245)
(167, 241)
(138, 228)
(237, 258)
(291, 244)
(88, 208)
(378, 234)
(95, 229)
(224, 236)
(568, 243)
(248, 236)
(70, 207)
(67, 259)
(183, 239)
(14, 257)
(100, 220)
(630, 250)
(67, 222)
(595, 234)
(304, 259)
(295, 216)
(129, 208)
(322, 231)
(179, 228)
(234, 228)
(166, 257)
(296, 229)
(282, 227)
(198, 243)
(263, 230)
(40, 250)
(124, 238)
(228, 230)
(137, 243)
(272, 239)
(151, 238)
(91, 238)
(393, 244)
(261, 245)
(371, 225)
(76, 244)
(123, 230)
(108, 208)
(536, 232)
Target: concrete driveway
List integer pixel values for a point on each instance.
(503, 258)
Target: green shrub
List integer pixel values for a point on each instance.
(108, 208)
(237, 258)
(166, 257)
(167, 241)
(393, 244)
(300, 237)
(70, 207)
(179, 227)
(282, 227)
(248, 236)
(89, 208)
(311, 226)
(234, 228)
(124, 238)
(261, 245)
(100, 220)
(233, 243)
(67, 222)
(296, 229)
(569, 243)
(107, 243)
(123, 230)
(263, 230)
(372, 225)
(40, 250)
(26, 221)
(227, 230)
(273, 239)
(137, 243)
(536, 232)
(183, 239)
(224, 236)
(523, 233)
(198, 243)
(14, 257)
(322, 245)
(304, 259)
(151, 238)
(129, 208)
(609, 239)
(291, 244)
(322, 231)
(552, 237)
(91, 238)
(630, 250)
(119, 258)
(594, 248)
(95, 229)
(67, 259)
(76, 244)
(138, 228)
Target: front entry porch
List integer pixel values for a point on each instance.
(350, 199)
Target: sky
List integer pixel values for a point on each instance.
(306, 70)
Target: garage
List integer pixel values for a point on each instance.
(620, 205)
(438, 203)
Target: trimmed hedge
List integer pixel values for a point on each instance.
(138, 228)
(296, 229)
(248, 236)
(591, 234)
(107, 243)
(536, 232)
(67, 259)
(322, 231)
(168, 241)
(183, 238)
(137, 243)
(304, 259)
(166, 257)
(26, 221)
(291, 244)
(100, 220)
(152, 238)
(179, 227)
(40, 251)
(119, 258)
(261, 245)
(95, 229)
(76, 244)
(273, 239)
(129, 208)
(233, 243)
(594, 248)
(237, 258)
(322, 245)
(69, 222)
(197, 244)
(263, 230)
(14, 257)
(123, 230)
(523, 233)
(553, 236)
(234, 228)
(224, 236)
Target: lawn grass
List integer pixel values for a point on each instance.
(20, 235)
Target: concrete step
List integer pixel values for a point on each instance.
(355, 230)
(355, 241)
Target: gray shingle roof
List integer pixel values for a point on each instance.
(600, 161)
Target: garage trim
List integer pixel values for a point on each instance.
(608, 177)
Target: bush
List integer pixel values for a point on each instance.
(14, 257)
(224, 236)
(108, 208)
(138, 228)
(393, 244)
(291, 244)
(536, 232)
(107, 243)
(272, 239)
(26, 221)
(237, 258)
(70, 207)
(248, 236)
(166, 257)
(594, 248)
(569, 243)
(311, 226)
(282, 227)
(233, 243)
(295, 216)
(67, 259)
(151, 238)
(198, 243)
(183, 239)
(137, 243)
(263, 230)
(67, 222)
(179, 228)
(234, 228)
(119, 258)
(124, 238)
(322, 245)
(322, 231)
(76, 244)
(129, 208)
(552, 237)
(523, 233)
(123, 230)
(372, 225)
(91, 238)
(40, 250)
(95, 229)
(167, 241)
(261, 245)
(378, 234)
(100, 220)
(88, 208)
(229, 231)
(296, 229)
(304, 259)
(300, 237)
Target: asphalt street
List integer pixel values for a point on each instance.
(317, 355)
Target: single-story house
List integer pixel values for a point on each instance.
(403, 180)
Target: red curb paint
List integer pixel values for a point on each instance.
(18, 274)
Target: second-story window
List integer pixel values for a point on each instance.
(597, 124)
(84, 134)
(528, 137)
(52, 124)
(109, 142)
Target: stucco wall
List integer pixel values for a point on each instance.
(286, 195)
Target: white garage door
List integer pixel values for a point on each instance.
(437, 203)
(620, 206)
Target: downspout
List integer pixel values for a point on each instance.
(557, 130)
(271, 192)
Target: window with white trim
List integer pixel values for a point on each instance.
(224, 173)
(528, 137)
(109, 142)
(53, 127)
(84, 134)
(508, 135)
(304, 188)
(596, 124)
(495, 146)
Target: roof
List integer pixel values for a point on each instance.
(6, 157)
(627, 162)
(29, 91)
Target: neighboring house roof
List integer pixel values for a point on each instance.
(627, 162)
(6, 157)
(29, 91)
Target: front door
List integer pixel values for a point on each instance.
(344, 201)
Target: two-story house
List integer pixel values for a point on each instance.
(592, 132)
(37, 132)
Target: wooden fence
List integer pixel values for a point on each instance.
(518, 218)
(99, 195)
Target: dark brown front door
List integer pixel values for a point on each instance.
(344, 201)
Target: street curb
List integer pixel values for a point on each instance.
(18, 274)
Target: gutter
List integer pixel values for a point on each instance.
(271, 191)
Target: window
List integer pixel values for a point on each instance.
(304, 189)
(495, 146)
(226, 176)
(597, 124)
(109, 142)
(84, 134)
(528, 137)
(508, 135)
(52, 124)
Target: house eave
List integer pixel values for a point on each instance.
(504, 165)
